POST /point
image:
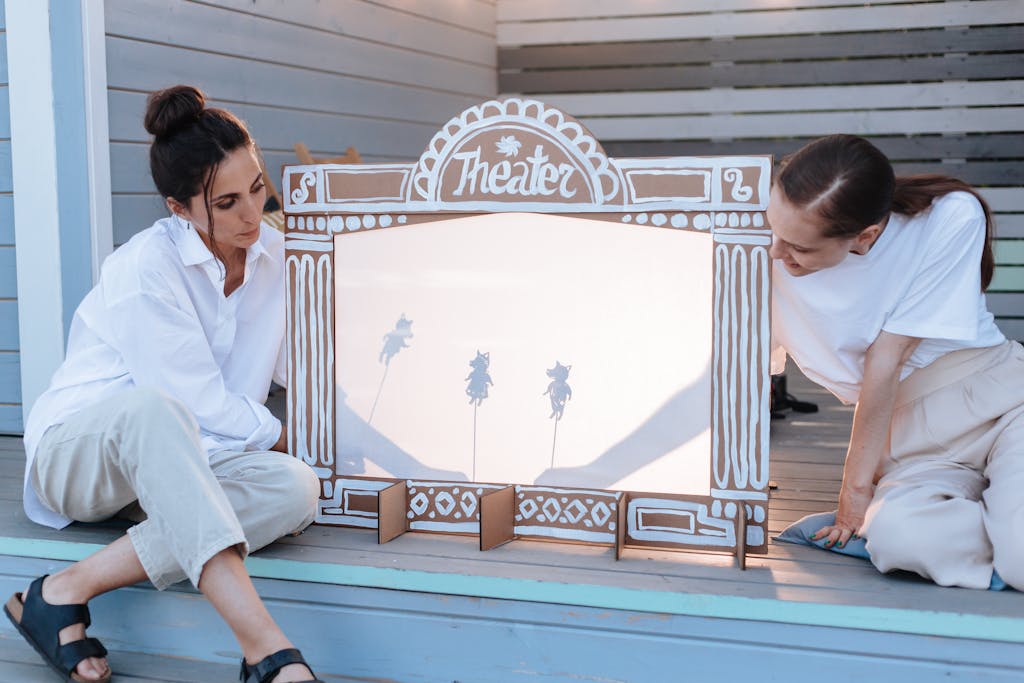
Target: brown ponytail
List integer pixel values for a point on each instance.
(850, 184)
(915, 193)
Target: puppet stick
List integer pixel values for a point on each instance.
(554, 441)
(377, 398)
(475, 406)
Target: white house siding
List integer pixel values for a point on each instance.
(379, 75)
(10, 377)
(938, 86)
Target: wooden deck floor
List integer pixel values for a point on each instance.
(792, 585)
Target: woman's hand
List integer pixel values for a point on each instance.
(282, 441)
(853, 505)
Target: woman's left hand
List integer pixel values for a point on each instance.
(282, 441)
(853, 505)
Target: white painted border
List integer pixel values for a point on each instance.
(404, 170)
(97, 125)
(646, 199)
(714, 532)
(34, 175)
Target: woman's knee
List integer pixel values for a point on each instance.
(895, 536)
(300, 488)
(881, 532)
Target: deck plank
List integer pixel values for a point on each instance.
(19, 662)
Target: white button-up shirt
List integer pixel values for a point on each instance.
(158, 318)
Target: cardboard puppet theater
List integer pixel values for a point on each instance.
(517, 336)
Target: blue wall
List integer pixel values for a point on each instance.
(10, 376)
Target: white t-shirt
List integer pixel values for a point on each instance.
(158, 318)
(921, 279)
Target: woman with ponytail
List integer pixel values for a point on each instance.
(878, 295)
(157, 411)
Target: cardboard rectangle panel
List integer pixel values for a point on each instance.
(392, 503)
(497, 517)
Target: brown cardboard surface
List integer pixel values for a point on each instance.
(497, 517)
(391, 506)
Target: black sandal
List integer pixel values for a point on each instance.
(41, 623)
(264, 670)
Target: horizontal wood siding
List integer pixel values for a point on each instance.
(938, 86)
(670, 20)
(10, 370)
(381, 76)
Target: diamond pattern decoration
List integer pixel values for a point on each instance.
(446, 506)
(467, 501)
(419, 503)
(445, 503)
(575, 511)
(528, 508)
(551, 508)
(601, 513)
(566, 513)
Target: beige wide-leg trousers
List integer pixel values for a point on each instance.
(144, 448)
(950, 505)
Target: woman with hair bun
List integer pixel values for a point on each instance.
(878, 295)
(157, 411)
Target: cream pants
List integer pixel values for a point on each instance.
(144, 449)
(950, 505)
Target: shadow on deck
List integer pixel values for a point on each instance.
(433, 608)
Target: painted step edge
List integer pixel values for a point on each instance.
(890, 620)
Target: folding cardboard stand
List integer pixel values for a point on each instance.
(522, 160)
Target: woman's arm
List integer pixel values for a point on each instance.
(869, 439)
(166, 348)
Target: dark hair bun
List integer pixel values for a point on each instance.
(173, 108)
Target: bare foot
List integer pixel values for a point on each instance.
(92, 668)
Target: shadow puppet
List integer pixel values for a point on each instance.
(664, 431)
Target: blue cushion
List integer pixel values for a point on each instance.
(800, 532)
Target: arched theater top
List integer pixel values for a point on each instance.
(524, 153)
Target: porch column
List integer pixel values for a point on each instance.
(60, 171)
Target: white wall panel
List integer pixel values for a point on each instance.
(545, 10)
(762, 22)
